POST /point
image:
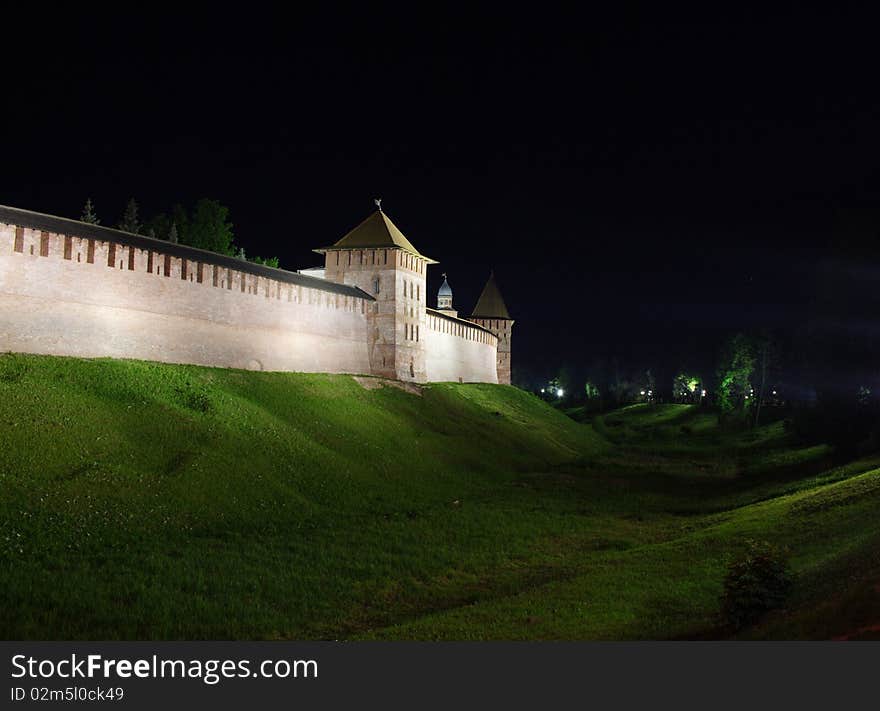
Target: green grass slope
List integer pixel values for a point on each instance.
(148, 500)
(141, 500)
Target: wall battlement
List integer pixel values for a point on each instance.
(68, 288)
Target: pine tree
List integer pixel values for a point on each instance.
(88, 213)
(130, 218)
(208, 228)
(172, 233)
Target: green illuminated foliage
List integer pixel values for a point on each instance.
(687, 387)
(735, 370)
(265, 261)
(592, 392)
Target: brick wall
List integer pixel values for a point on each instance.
(69, 295)
(457, 351)
(65, 295)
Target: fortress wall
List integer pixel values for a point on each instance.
(458, 352)
(64, 295)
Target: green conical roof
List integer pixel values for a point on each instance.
(491, 303)
(376, 232)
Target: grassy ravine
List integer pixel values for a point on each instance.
(140, 500)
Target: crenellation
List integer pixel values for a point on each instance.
(161, 303)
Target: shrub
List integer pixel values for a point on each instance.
(755, 584)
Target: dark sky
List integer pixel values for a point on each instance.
(642, 184)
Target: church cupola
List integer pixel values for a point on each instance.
(444, 296)
(444, 299)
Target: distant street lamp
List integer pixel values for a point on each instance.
(559, 392)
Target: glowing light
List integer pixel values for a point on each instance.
(559, 392)
(702, 393)
(542, 389)
(642, 392)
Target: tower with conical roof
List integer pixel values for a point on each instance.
(491, 313)
(376, 257)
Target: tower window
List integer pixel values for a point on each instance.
(19, 239)
(376, 285)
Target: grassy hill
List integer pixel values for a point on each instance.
(141, 500)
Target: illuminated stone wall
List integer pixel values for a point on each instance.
(72, 296)
(503, 329)
(458, 351)
(68, 306)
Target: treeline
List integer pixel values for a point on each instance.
(205, 226)
(747, 376)
(757, 377)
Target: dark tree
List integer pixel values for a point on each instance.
(159, 226)
(130, 221)
(735, 371)
(88, 213)
(208, 228)
(766, 354)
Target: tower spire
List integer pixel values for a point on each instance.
(378, 202)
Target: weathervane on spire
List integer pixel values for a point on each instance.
(378, 202)
(444, 275)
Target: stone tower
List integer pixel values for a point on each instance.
(444, 299)
(377, 258)
(491, 313)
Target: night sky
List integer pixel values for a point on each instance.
(641, 184)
